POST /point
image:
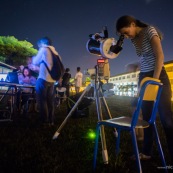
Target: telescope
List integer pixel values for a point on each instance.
(100, 45)
(107, 48)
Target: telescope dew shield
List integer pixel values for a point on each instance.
(101, 47)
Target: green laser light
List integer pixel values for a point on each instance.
(91, 134)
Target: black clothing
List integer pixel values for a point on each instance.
(66, 82)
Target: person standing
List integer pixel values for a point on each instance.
(78, 80)
(66, 81)
(45, 83)
(147, 42)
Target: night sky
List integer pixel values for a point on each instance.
(69, 22)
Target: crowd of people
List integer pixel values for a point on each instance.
(35, 73)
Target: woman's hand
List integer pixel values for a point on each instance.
(26, 80)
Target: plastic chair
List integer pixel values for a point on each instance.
(150, 90)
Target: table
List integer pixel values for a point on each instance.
(8, 92)
(11, 90)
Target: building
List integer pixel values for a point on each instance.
(126, 83)
(169, 69)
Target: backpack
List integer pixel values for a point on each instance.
(58, 69)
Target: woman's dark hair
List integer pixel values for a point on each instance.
(44, 40)
(26, 68)
(125, 21)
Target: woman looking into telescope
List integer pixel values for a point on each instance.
(147, 42)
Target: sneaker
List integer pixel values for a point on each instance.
(141, 157)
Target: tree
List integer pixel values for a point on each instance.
(15, 52)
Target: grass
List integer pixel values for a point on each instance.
(27, 147)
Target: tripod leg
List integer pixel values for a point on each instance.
(56, 134)
(102, 132)
(108, 113)
(106, 107)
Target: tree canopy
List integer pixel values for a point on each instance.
(15, 52)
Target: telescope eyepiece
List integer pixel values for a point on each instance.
(118, 47)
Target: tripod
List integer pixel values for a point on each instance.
(98, 98)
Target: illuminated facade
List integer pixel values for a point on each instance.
(169, 70)
(126, 83)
